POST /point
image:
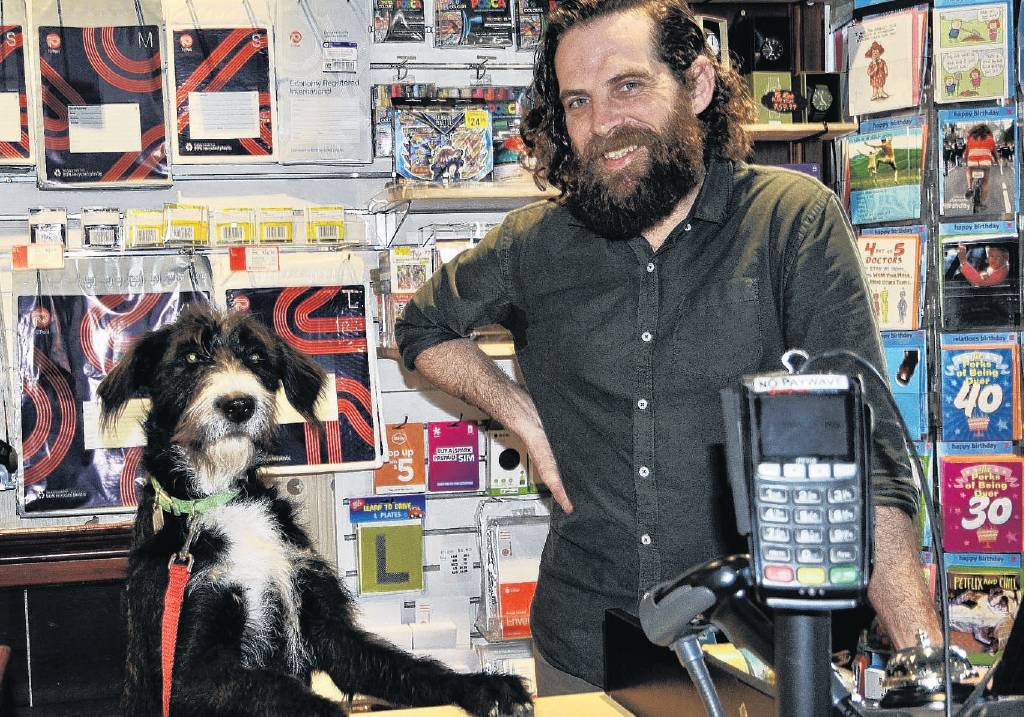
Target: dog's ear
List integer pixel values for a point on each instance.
(131, 375)
(303, 380)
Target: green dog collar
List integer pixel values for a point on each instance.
(177, 506)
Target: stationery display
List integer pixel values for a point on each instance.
(884, 168)
(390, 543)
(69, 336)
(399, 21)
(473, 23)
(452, 456)
(101, 102)
(512, 556)
(980, 387)
(983, 594)
(972, 50)
(980, 489)
(981, 174)
(980, 284)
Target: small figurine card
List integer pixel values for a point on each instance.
(972, 50)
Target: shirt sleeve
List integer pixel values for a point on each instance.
(826, 306)
(470, 291)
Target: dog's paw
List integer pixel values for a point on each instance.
(495, 696)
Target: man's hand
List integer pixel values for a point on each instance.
(543, 460)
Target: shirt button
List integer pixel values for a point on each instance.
(646, 336)
(642, 404)
(651, 267)
(645, 539)
(643, 472)
(686, 228)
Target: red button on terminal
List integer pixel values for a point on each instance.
(779, 573)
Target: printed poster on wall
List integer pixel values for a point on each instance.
(452, 452)
(102, 106)
(224, 96)
(14, 139)
(982, 498)
(328, 323)
(66, 345)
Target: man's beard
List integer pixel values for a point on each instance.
(622, 203)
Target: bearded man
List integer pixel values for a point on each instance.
(667, 269)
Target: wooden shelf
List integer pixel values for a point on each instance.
(800, 131)
(425, 198)
(64, 554)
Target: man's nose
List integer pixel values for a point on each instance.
(605, 116)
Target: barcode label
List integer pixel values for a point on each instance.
(183, 233)
(147, 236)
(101, 236)
(339, 66)
(276, 232)
(326, 232)
(233, 233)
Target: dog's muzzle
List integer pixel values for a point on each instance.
(237, 409)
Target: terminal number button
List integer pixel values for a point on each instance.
(771, 514)
(841, 535)
(841, 495)
(842, 515)
(779, 573)
(808, 516)
(771, 494)
(807, 496)
(809, 535)
(809, 555)
(775, 534)
(769, 470)
(811, 576)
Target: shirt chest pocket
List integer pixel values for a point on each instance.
(717, 335)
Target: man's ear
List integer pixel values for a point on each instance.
(303, 380)
(132, 375)
(702, 77)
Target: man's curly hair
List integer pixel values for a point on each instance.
(679, 41)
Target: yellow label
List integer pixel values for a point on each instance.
(476, 119)
(233, 232)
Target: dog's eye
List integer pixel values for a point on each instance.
(255, 357)
(191, 357)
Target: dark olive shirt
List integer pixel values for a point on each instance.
(624, 350)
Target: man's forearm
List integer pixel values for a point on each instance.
(897, 590)
(461, 369)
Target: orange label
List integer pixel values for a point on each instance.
(404, 472)
(514, 606)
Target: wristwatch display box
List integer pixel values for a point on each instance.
(821, 91)
(762, 43)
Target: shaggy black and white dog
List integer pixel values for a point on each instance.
(261, 610)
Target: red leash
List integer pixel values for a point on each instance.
(177, 576)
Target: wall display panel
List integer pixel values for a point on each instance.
(15, 145)
(323, 80)
(73, 325)
(99, 109)
(329, 322)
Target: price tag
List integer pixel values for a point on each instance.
(253, 258)
(476, 119)
(37, 256)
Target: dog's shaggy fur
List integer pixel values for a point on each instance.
(262, 610)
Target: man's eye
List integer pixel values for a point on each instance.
(629, 86)
(191, 357)
(576, 103)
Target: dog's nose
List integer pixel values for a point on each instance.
(238, 409)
